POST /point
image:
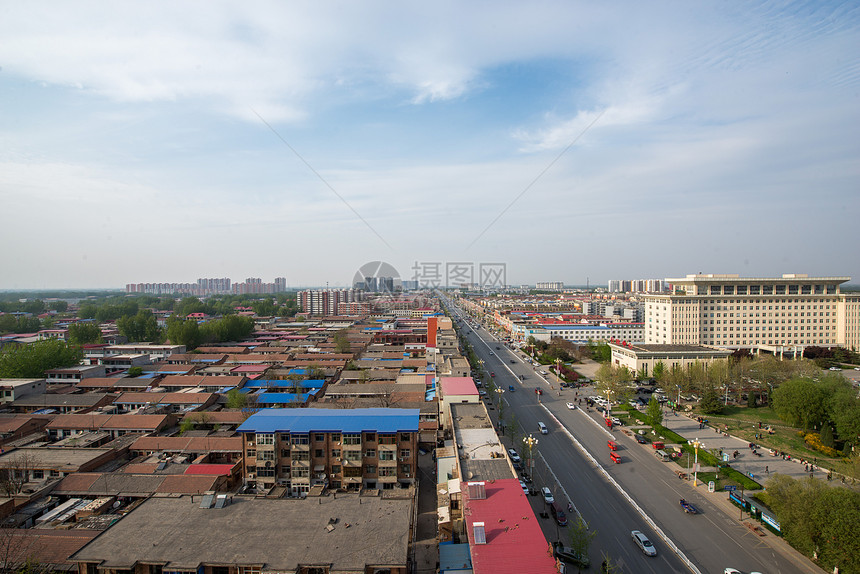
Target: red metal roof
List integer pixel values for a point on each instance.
(458, 386)
(218, 469)
(515, 543)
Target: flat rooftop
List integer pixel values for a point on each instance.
(278, 534)
(642, 348)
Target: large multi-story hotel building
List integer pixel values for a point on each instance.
(346, 449)
(781, 314)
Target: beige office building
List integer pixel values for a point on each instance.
(782, 314)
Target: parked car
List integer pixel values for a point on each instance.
(641, 439)
(514, 456)
(524, 487)
(547, 495)
(643, 543)
(558, 514)
(568, 554)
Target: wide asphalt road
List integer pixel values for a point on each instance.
(711, 540)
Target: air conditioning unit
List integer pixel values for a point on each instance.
(252, 476)
(402, 459)
(338, 459)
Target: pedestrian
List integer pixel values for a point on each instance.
(766, 470)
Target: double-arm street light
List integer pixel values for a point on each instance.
(530, 442)
(696, 444)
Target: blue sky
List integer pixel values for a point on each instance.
(131, 149)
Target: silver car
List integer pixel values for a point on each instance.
(643, 543)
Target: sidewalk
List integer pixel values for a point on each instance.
(759, 468)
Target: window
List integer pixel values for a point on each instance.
(405, 436)
(352, 439)
(370, 469)
(370, 437)
(370, 453)
(352, 455)
(386, 455)
(299, 439)
(319, 437)
(335, 437)
(405, 453)
(265, 438)
(335, 452)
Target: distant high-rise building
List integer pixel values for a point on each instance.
(792, 311)
(550, 285)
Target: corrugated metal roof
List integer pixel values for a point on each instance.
(342, 420)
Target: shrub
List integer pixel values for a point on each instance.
(813, 441)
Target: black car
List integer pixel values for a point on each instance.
(641, 439)
(568, 554)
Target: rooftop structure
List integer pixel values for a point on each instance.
(279, 535)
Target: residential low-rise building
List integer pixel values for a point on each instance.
(329, 535)
(346, 449)
(12, 389)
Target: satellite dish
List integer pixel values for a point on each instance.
(469, 475)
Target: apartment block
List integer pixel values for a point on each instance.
(783, 314)
(344, 449)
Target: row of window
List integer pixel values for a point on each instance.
(303, 455)
(345, 438)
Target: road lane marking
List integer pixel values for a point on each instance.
(623, 493)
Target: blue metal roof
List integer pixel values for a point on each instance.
(281, 384)
(281, 398)
(331, 420)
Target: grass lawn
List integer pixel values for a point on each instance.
(728, 476)
(743, 423)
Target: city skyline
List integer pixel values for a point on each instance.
(570, 142)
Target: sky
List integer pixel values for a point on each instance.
(570, 141)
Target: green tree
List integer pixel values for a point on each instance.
(818, 520)
(236, 399)
(31, 361)
(710, 403)
(800, 402)
(264, 308)
(84, 333)
(183, 332)
(654, 412)
(600, 352)
(659, 371)
(843, 409)
(59, 306)
(134, 371)
(580, 536)
(827, 435)
(142, 326)
(341, 343)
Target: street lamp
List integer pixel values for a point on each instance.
(609, 402)
(530, 442)
(696, 444)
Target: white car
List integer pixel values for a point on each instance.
(835, 369)
(547, 495)
(524, 487)
(571, 406)
(514, 456)
(616, 421)
(643, 543)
